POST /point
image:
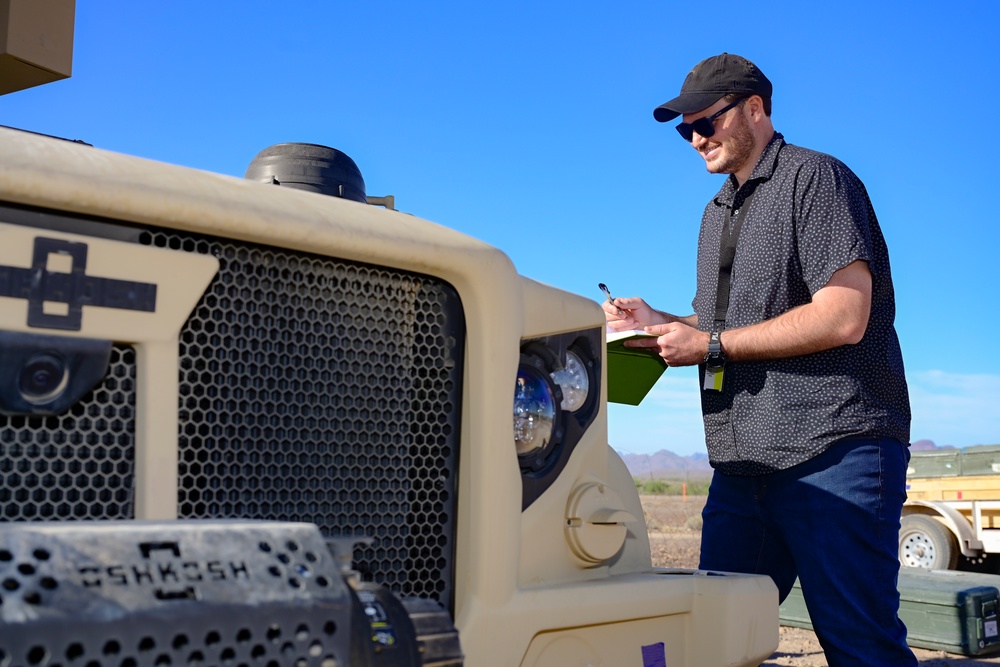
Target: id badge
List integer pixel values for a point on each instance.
(713, 378)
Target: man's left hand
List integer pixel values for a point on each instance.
(678, 344)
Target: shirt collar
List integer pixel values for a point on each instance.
(763, 170)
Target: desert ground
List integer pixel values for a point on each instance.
(673, 523)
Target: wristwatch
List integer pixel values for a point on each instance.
(715, 358)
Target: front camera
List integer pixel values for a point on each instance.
(47, 375)
(43, 378)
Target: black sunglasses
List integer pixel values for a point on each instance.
(705, 126)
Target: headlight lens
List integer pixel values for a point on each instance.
(574, 382)
(534, 411)
(555, 402)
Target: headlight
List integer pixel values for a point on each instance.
(554, 404)
(534, 411)
(574, 381)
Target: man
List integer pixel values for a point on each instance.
(804, 399)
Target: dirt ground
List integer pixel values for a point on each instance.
(674, 540)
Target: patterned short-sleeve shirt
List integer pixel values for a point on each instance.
(809, 216)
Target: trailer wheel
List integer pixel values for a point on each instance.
(925, 543)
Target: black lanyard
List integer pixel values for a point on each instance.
(727, 253)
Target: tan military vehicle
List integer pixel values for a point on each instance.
(245, 422)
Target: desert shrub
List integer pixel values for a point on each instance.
(655, 487)
(694, 522)
(671, 487)
(698, 487)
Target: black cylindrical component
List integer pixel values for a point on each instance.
(383, 633)
(309, 167)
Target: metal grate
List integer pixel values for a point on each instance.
(79, 465)
(284, 639)
(319, 390)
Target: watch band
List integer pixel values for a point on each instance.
(715, 358)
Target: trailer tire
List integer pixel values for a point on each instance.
(926, 544)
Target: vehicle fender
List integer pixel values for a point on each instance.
(953, 519)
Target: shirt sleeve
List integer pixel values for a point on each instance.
(832, 221)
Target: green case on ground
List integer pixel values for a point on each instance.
(943, 610)
(632, 372)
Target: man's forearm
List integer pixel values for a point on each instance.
(837, 315)
(792, 334)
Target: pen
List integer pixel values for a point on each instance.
(607, 292)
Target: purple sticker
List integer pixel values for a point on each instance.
(654, 656)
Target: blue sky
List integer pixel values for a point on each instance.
(529, 125)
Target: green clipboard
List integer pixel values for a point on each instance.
(632, 372)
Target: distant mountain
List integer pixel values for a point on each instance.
(667, 465)
(926, 446)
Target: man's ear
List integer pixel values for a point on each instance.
(755, 105)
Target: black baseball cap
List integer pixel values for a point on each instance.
(710, 81)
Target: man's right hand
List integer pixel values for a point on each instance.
(628, 313)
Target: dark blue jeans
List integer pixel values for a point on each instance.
(833, 521)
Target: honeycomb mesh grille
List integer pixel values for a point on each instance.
(79, 465)
(314, 389)
(304, 642)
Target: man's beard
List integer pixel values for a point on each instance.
(739, 147)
